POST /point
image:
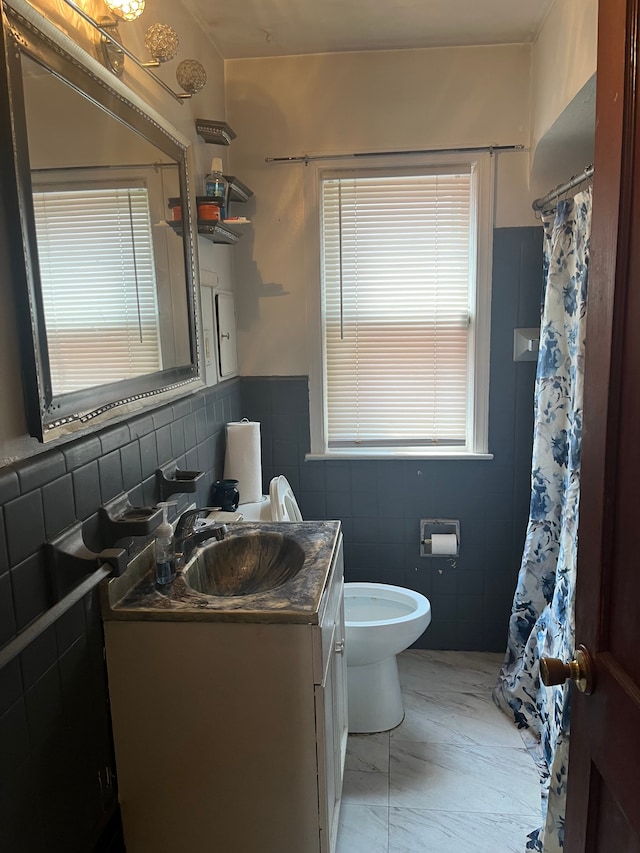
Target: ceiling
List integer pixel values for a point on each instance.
(257, 28)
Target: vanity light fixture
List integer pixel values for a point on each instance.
(111, 51)
(110, 46)
(160, 40)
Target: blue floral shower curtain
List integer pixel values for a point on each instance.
(542, 619)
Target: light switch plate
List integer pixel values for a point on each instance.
(526, 343)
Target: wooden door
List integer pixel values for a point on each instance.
(603, 808)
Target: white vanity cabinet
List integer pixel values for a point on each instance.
(230, 736)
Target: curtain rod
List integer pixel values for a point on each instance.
(305, 158)
(104, 166)
(541, 203)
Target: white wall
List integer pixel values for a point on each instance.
(345, 103)
(563, 93)
(339, 103)
(542, 96)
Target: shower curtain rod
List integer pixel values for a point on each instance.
(541, 203)
(305, 158)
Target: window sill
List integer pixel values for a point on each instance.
(396, 453)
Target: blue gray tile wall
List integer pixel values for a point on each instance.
(55, 733)
(54, 729)
(380, 503)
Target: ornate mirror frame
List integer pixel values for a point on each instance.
(52, 416)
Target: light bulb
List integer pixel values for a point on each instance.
(127, 10)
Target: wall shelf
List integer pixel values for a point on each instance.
(237, 190)
(213, 230)
(214, 132)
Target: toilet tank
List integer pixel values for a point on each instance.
(257, 510)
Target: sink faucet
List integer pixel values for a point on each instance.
(186, 536)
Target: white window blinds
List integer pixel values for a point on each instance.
(98, 239)
(397, 288)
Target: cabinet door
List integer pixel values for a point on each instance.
(340, 716)
(328, 792)
(227, 347)
(331, 710)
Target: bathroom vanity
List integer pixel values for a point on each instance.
(229, 712)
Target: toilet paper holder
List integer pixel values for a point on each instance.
(431, 526)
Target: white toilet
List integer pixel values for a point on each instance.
(381, 621)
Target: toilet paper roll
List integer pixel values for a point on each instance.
(444, 543)
(243, 459)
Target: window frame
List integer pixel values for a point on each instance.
(482, 203)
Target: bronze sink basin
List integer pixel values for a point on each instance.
(244, 565)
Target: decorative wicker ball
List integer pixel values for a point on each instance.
(162, 42)
(127, 10)
(191, 75)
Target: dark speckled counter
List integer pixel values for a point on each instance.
(134, 596)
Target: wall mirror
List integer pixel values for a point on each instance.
(109, 301)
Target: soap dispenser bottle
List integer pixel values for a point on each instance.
(165, 549)
(216, 186)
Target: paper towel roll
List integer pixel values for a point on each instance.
(444, 543)
(243, 459)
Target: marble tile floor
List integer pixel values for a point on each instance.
(453, 777)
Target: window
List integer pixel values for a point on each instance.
(97, 237)
(404, 307)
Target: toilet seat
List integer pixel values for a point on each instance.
(279, 505)
(284, 506)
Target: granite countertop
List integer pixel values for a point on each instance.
(134, 595)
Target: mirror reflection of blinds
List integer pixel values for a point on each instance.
(95, 251)
(396, 279)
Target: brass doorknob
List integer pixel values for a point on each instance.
(580, 670)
